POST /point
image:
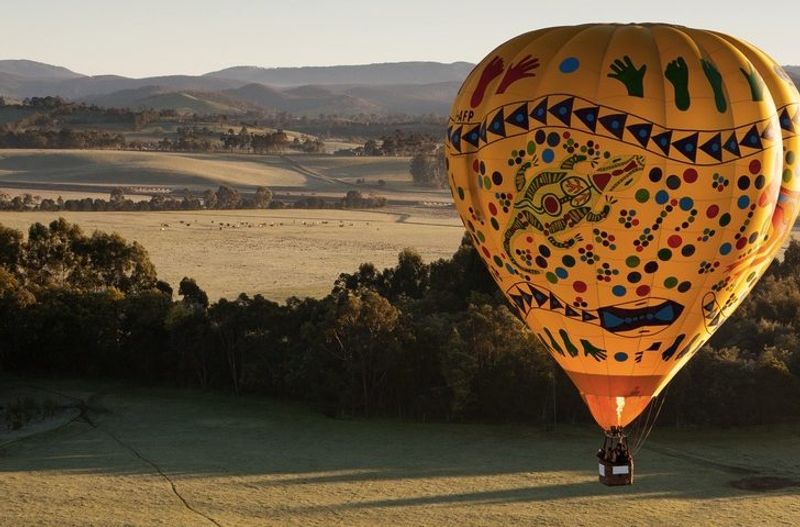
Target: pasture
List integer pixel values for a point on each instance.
(276, 253)
(116, 168)
(95, 171)
(210, 459)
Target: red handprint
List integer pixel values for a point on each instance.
(489, 73)
(520, 70)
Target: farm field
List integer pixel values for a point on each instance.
(276, 253)
(95, 171)
(217, 460)
(106, 167)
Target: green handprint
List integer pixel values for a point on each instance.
(590, 349)
(571, 349)
(553, 342)
(625, 72)
(715, 80)
(755, 82)
(678, 74)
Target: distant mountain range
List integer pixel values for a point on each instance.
(794, 73)
(365, 75)
(400, 87)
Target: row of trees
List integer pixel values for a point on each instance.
(54, 111)
(52, 122)
(225, 197)
(63, 138)
(188, 139)
(398, 143)
(268, 142)
(352, 200)
(427, 341)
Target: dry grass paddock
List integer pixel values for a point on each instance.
(277, 253)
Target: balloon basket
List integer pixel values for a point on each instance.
(616, 459)
(616, 475)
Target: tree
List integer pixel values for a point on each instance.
(262, 198)
(228, 197)
(117, 195)
(11, 250)
(108, 260)
(243, 328)
(192, 294)
(371, 148)
(50, 259)
(190, 339)
(60, 255)
(361, 335)
(353, 200)
(210, 199)
(495, 366)
(366, 278)
(429, 170)
(410, 277)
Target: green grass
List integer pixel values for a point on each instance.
(259, 462)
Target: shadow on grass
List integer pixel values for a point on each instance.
(279, 445)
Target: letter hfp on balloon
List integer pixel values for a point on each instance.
(626, 186)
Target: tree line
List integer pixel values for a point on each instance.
(52, 122)
(51, 110)
(417, 340)
(63, 138)
(188, 139)
(224, 198)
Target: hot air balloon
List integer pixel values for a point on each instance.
(626, 186)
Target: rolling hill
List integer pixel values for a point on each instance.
(794, 73)
(308, 100)
(30, 69)
(300, 100)
(162, 98)
(362, 74)
(403, 87)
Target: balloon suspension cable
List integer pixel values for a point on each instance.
(635, 430)
(649, 423)
(640, 426)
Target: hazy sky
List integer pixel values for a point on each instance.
(147, 37)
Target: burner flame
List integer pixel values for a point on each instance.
(620, 407)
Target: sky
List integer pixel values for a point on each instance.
(139, 38)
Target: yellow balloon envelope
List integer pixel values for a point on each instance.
(626, 185)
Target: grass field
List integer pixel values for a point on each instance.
(274, 253)
(277, 253)
(101, 167)
(183, 458)
(73, 169)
